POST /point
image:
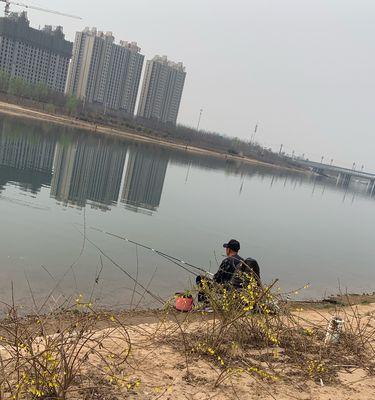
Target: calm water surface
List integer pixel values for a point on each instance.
(54, 181)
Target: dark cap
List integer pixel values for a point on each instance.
(233, 245)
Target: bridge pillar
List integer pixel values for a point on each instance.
(371, 187)
(338, 179)
(344, 179)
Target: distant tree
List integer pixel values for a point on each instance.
(41, 92)
(19, 87)
(71, 104)
(59, 102)
(50, 108)
(4, 81)
(57, 98)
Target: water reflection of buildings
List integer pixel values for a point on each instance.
(88, 170)
(80, 169)
(144, 179)
(25, 159)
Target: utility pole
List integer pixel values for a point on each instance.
(252, 140)
(199, 119)
(281, 149)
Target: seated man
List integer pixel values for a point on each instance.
(229, 265)
(232, 269)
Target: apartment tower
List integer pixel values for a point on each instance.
(35, 55)
(105, 73)
(162, 88)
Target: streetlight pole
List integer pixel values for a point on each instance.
(199, 119)
(254, 134)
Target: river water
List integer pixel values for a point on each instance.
(57, 183)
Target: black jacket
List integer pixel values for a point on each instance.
(227, 269)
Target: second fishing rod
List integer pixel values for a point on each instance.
(175, 260)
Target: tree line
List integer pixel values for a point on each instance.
(39, 92)
(55, 102)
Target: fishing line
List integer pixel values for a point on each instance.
(122, 269)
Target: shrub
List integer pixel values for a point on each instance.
(50, 108)
(254, 331)
(44, 357)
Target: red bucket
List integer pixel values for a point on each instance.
(184, 303)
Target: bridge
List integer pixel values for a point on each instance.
(343, 175)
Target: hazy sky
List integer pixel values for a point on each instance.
(303, 69)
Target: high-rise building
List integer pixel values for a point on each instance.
(105, 73)
(37, 56)
(162, 88)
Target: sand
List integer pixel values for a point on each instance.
(166, 368)
(162, 372)
(155, 369)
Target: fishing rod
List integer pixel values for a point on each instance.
(179, 265)
(175, 260)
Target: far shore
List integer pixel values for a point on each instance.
(18, 111)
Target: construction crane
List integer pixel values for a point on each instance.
(8, 3)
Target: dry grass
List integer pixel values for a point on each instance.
(253, 335)
(48, 357)
(254, 332)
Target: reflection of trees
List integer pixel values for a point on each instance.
(229, 166)
(27, 180)
(275, 175)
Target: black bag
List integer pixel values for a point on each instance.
(248, 267)
(252, 267)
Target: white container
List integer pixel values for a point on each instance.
(334, 330)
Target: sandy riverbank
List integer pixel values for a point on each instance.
(24, 112)
(164, 375)
(157, 366)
